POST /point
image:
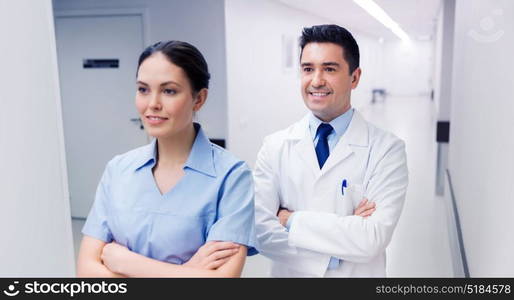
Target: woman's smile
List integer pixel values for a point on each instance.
(155, 120)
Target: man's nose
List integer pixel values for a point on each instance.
(318, 80)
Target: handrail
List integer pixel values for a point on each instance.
(462, 268)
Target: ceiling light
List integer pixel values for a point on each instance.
(378, 13)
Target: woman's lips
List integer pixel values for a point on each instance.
(155, 120)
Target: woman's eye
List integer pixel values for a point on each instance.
(142, 90)
(169, 91)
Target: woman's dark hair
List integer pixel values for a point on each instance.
(333, 34)
(185, 56)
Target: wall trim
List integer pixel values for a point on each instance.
(138, 11)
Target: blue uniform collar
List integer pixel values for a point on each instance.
(148, 155)
(200, 158)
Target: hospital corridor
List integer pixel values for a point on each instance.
(436, 74)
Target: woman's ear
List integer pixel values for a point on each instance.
(200, 99)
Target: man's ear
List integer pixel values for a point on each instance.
(356, 76)
(200, 99)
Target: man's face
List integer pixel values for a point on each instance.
(326, 82)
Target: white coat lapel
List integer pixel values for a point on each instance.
(304, 146)
(356, 134)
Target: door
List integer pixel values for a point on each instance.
(97, 69)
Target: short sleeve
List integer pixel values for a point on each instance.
(235, 220)
(96, 224)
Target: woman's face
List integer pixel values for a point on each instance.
(164, 97)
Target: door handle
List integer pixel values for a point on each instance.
(138, 120)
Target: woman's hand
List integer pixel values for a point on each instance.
(114, 256)
(212, 255)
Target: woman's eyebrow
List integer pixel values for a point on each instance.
(162, 84)
(170, 82)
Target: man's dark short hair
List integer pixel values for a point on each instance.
(333, 34)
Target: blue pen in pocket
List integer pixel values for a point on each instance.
(343, 185)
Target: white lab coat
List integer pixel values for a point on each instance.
(287, 174)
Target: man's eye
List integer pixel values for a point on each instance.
(330, 69)
(142, 90)
(169, 91)
(307, 69)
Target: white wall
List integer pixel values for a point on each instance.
(262, 96)
(443, 59)
(407, 68)
(372, 64)
(34, 209)
(200, 23)
(481, 160)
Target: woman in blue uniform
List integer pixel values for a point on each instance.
(180, 206)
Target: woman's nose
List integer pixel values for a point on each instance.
(155, 102)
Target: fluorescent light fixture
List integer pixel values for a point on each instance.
(378, 13)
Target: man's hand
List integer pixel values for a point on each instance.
(283, 215)
(365, 208)
(212, 255)
(114, 256)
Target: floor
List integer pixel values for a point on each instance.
(420, 244)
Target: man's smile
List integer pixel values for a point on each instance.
(318, 95)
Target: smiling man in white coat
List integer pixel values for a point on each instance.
(314, 178)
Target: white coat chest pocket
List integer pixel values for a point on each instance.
(350, 199)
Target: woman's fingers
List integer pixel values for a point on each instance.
(211, 252)
(214, 246)
(218, 263)
(223, 254)
(225, 246)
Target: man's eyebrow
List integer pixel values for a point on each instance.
(330, 63)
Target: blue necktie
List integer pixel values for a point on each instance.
(322, 150)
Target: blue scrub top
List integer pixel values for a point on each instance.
(214, 200)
